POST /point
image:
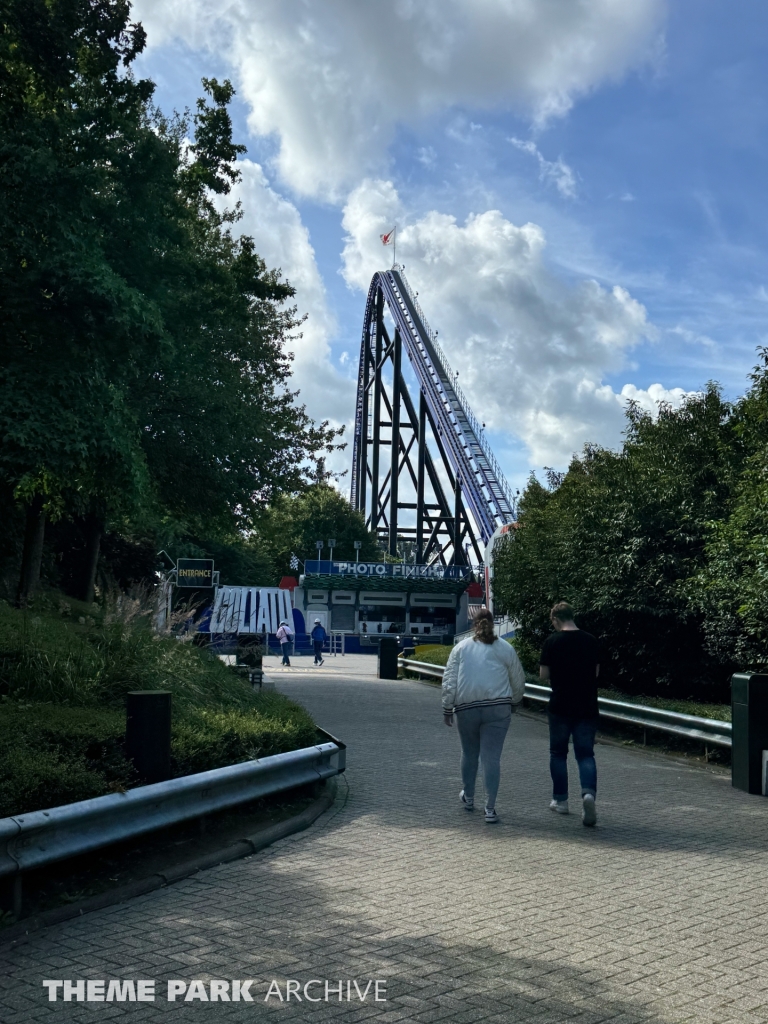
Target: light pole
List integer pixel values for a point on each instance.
(358, 545)
(332, 545)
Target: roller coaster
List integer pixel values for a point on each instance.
(461, 499)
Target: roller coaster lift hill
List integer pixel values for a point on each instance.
(438, 453)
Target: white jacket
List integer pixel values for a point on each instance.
(284, 634)
(478, 675)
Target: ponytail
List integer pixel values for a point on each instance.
(483, 627)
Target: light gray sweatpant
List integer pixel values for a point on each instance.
(482, 732)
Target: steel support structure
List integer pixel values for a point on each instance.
(459, 494)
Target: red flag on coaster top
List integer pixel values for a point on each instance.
(389, 238)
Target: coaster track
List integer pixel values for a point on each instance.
(469, 466)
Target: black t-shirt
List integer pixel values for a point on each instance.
(572, 657)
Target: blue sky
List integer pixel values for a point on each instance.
(580, 195)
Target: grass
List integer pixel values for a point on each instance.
(50, 656)
(432, 654)
(720, 712)
(63, 681)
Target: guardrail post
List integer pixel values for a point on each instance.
(749, 715)
(388, 650)
(148, 733)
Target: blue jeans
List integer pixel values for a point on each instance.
(583, 731)
(286, 649)
(318, 651)
(482, 732)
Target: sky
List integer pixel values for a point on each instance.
(578, 188)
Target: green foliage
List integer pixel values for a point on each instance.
(730, 588)
(144, 358)
(292, 524)
(719, 712)
(62, 706)
(45, 658)
(432, 654)
(623, 537)
(207, 738)
(528, 653)
(51, 755)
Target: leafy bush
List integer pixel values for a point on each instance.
(432, 654)
(62, 708)
(527, 652)
(49, 658)
(52, 755)
(206, 738)
(626, 537)
(720, 712)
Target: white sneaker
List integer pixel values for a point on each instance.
(469, 805)
(491, 817)
(589, 814)
(561, 806)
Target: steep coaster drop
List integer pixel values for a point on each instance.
(482, 503)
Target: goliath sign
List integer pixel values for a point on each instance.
(399, 569)
(196, 573)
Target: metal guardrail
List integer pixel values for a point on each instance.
(421, 668)
(32, 840)
(706, 730)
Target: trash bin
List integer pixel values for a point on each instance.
(749, 715)
(388, 651)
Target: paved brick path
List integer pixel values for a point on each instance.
(660, 914)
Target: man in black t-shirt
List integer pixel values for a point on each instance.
(570, 661)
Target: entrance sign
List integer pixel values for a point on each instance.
(194, 572)
(399, 570)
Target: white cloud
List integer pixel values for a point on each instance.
(532, 350)
(283, 242)
(555, 172)
(332, 81)
(655, 395)
(694, 338)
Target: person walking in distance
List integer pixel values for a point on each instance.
(285, 637)
(482, 683)
(319, 636)
(570, 662)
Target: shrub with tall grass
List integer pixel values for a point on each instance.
(63, 681)
(47, 657)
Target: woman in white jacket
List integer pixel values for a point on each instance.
(482, 683)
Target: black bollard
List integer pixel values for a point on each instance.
(388, 652)
(749, 717)
(148, 733)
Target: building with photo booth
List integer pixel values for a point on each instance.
(367, 600)
(361, 601)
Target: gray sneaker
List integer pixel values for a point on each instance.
(589, 814)
(491, 817)
(560, 806)
(469, 804)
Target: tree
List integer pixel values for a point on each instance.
(293, 523)
(730, 590)
(622, 537)
(66, 317)
(145, 368)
